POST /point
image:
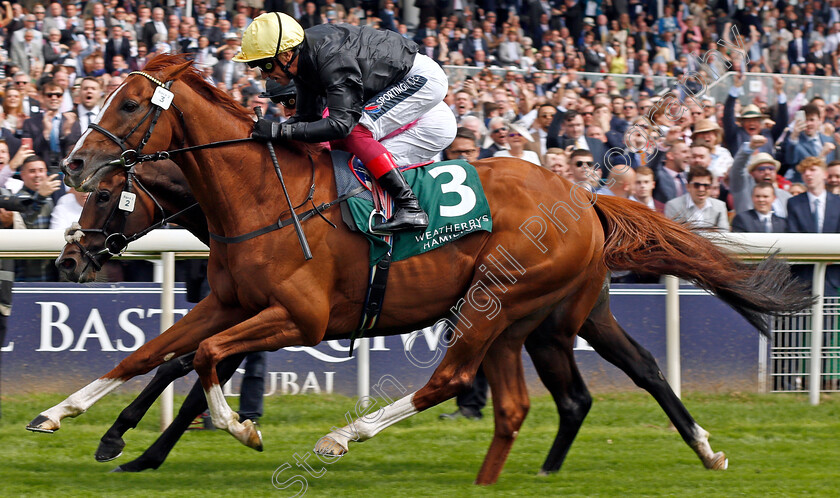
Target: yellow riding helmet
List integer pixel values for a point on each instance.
(268, 35)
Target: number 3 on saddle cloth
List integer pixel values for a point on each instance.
(451, 194)
(449, 191)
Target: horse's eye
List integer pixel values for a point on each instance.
(103, 197)
(130, 106)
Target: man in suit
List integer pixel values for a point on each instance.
(227, 71)
(53, 134)
(429, 29)
(670, 170)
(797, 49)
(806, 139)
(573, 134)
(643, 189)
(473, 44)
(27, 52)
(496, 138)
(815, 211)
(751, 167)
(696, 206)
(116, 45)
(761, 217)
(155, 26)
(751, 118)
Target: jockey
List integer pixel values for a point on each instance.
(380, 92)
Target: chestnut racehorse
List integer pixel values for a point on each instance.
(162, 194)
(265, 296)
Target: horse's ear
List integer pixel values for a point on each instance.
(173, 72)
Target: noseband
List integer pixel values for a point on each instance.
(116, 241)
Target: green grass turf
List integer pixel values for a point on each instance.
(778, 445)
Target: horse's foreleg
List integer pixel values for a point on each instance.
(194, 404)
(207, 318)
(269, 330)
(610, 341)
(503, 367)
(455, 373)
(112, 444)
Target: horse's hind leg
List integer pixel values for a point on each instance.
(503, 367)
(193, 405)
(553, 356)
(112, 443)
(610, 341)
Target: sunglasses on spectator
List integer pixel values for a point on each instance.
(766, 168)
(699, 185)
(53, 95)
(21, 83)
(586, 113)
(629, 107)
(514, 135)
(581, 164)
(503, 128)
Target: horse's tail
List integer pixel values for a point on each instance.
(641, 240)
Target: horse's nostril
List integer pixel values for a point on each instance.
(75, 164)
(68, 264)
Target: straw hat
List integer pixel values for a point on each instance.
(752, 111)
(704, 125)
(518, 128)
(762, 158)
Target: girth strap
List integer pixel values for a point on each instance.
(374, 299)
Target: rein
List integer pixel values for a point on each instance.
(116, 242)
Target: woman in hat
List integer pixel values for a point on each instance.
(375, 79)
(517, 136)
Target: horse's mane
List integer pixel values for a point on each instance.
(193, 77)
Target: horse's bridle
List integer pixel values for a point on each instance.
(116, 242)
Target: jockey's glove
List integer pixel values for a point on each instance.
(265, 130)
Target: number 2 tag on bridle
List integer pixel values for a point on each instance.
(162, 97)
(127, 201)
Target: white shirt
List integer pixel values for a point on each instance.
(821, 211)
(66, 211)
(84, 118)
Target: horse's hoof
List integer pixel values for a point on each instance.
(328, 446)
(253, 436)
(116, 469)
(718, 462)
(109, 450)
(42, 423)
(106, 457)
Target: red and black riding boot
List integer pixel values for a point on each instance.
(408, 215)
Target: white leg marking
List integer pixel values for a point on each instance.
(701, 446)
(78, 402)
(225, 418)
(372, 424)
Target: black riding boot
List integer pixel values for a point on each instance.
(408, 215)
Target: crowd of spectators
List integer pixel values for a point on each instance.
(533, 91)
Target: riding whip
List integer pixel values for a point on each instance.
(299, 229)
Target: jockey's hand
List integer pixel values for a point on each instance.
(265, 130)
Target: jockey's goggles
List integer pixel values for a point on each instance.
(264, 65)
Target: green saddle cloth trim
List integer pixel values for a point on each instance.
(452, 195)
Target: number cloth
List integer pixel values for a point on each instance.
(450, 192)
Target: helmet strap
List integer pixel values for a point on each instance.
(285, 67)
